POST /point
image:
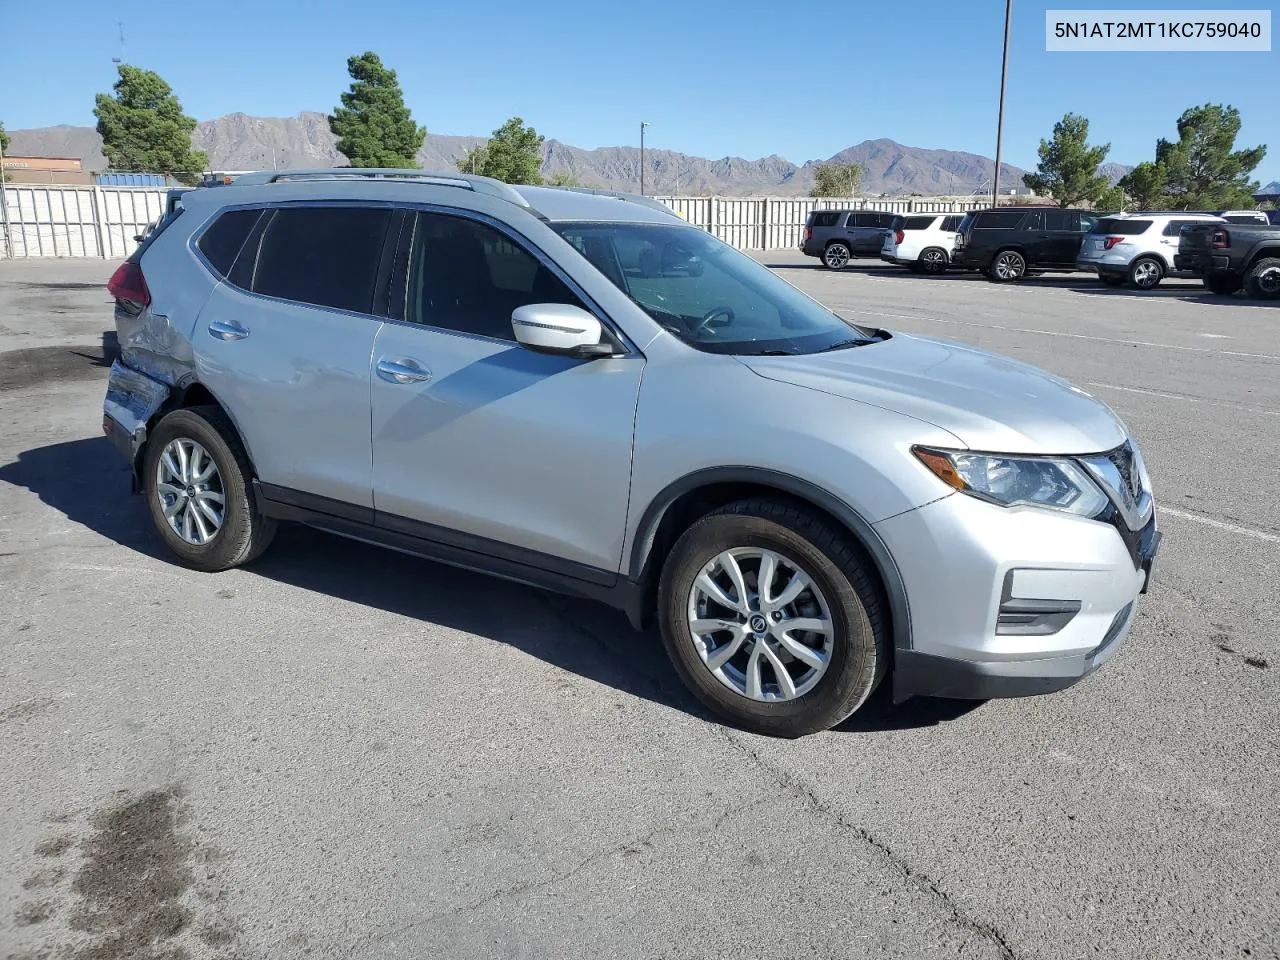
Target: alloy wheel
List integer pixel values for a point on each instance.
(1146, 274)
(1268, 282)
(760, 624)
(836, 256)
(190, 490)
(1009, 266)
(934, 261)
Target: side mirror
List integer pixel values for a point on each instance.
(560, 328)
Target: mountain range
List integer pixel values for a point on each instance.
(241, 142)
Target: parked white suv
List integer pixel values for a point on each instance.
(924, 242)
(1136, 248)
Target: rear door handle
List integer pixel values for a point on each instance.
(227, 330)
(402, 370)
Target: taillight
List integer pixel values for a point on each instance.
(808, 233)
(897, 236)
(128, 283)
(1110, 242)
(1220, 240)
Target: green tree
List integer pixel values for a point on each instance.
(1202, 170)
(4, 139)
(1144, 185)
(143, 127)
(1068, 169)
(373, 126)
(836, 180)
(513, 154)
(1111, 200)
(563, 179)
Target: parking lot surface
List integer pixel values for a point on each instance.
(345, 752)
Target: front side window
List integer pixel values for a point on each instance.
(708, 294)
(327, 256)
(467, 276)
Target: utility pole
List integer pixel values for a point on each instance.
(4, 210)
(643, 124)
(1004, 69)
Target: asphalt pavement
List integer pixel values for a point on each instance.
(345, 752)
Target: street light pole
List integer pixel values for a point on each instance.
(4, 210)
(1004, 69)
(643, 124)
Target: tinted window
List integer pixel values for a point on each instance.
(1061, 220)
(825, 218)
(1033, 220)
(706, 293)
(864, 220)
(1087, 222)
(951, 223)
(225, 236)
(1114, 226)
(323, 255)
(918, 223)
(997, 219)
(1273, 216)
(885, 219)
(1244, 218)
(468, 276)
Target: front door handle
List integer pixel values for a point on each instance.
(227, 330)
(402, 370)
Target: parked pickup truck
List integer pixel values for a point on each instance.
(1232, 256)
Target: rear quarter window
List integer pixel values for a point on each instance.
(951, 223)
(824, 218)
(1122, 227)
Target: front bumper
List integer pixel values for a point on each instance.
(962, 561)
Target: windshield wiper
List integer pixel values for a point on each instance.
(842, 344)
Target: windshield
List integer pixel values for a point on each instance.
(708, 294)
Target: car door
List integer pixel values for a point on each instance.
(1062, 245)
(480, 442)
(284, 344)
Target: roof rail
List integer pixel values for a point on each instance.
(467, 181)
(631, 197)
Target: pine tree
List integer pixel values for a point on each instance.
(1068, 169)
(373, 126)
(143, 127)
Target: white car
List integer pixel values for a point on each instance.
(922, 241)
(1136, 248)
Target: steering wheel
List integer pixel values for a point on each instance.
(712, 314)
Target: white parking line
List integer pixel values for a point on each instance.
(1219, 524)
(1180, 396)
(1073, 336)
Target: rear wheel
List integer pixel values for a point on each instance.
(836, 256)
(1145, 273)
(1009, 265)
(1222, 283)
(1263, 279)
(197, 476)
(933, 260)
(772, 618)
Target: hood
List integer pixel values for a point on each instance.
(989, 402)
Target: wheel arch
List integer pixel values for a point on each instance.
(187, 392)
(694, 495)
(1266, 250)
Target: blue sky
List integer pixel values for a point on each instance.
(713, 78)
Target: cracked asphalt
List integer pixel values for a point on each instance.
(345, 752)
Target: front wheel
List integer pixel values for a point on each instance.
(196, 477)
(1009, 265)
(772, 618)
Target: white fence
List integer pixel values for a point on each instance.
(74, 221)
(67, 221)
(776, 223)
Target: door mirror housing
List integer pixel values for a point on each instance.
(560, 328)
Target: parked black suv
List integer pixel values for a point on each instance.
(1233, 256)
(837, 235)
(1008, 243)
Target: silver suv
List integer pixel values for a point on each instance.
(584, 393)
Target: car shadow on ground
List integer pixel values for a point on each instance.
(87, 481)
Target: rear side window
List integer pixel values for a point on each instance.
(1244, 218)
(864, 220)
(1033, 220)
(221, 242)
(997, 220)
(825, 218)
(1113, 226)
(328, 256)
(951, 223)
(1062, 220)
(885, 218)
(917, 223)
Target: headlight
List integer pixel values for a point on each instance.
(1058, 484)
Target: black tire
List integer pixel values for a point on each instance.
(1263, 279)
(836, 565)
(1145, 273)
(1223, 284)
(836, 256)
(933, 261)
(244, 532)
(1111, 279)
(1007, 266)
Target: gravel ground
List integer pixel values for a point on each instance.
(344, 752)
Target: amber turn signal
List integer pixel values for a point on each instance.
(941, 467)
